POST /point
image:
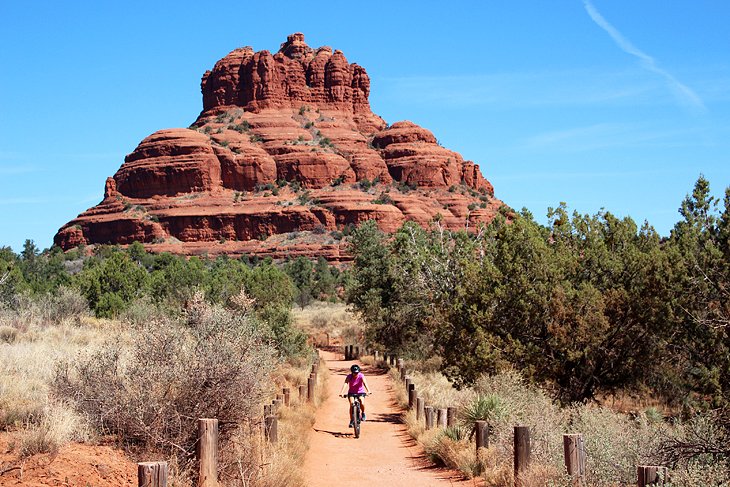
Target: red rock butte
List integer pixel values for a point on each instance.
(285, 157)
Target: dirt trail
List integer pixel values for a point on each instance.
(384, 454)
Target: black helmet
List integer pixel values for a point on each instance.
(355, 369)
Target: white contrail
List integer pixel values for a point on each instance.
(683, 92)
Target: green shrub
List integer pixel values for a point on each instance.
(242, 127)
(383, 199)
(304, 198)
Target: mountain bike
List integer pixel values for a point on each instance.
(356, 412)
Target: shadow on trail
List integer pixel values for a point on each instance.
(368, 370)
(336, 434)
(393, 418)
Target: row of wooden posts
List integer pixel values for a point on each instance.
(573, 446)
(154, 474)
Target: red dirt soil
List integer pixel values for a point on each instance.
(73, 465)
(383, 455)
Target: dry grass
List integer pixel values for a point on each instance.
(255, 463)
(323, 319)
(59, 424)
(30, 347)
(615, 442)
(27, 365)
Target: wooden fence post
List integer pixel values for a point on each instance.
(419, 408)
(408, 384)
(267, 409)
(310, 388)
(412, 396)
(482, 434)
(429, 417)
(451, 416)
(575, 458)
(442, 418)
(357, 351)
(352, 352)
(271, 428)
(208, 452)
(521, 453)
(650, 475)
(152, 474)
(287, 396)
(399, 363)
(347, 355)
(302, 393)
(403, 373)
(391, 360)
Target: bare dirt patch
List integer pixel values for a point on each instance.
(73, 465)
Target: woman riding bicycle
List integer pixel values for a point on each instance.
(356, 384)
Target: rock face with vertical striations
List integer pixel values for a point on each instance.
(285, 155)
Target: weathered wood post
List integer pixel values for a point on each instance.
(482, 434)
(408, 384)
(451, 416)
(429, 417)
(575, 458)
(650, 475)
(208, 452)
(412, 395)
(347, 354)
(152, 474)
(420, 408)
(403, 373)
(522, 452)
(302, 393)
(271, 428)
(399, 364)
(442, 418)
(357, 351)
(310, 388)
(352, 352)
(287, 396)
(391, 359)
(327, 338)
(275, 406)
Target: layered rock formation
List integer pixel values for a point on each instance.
(285, 155)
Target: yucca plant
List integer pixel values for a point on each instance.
(485, 407)
(456, 433)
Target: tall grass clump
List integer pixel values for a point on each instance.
(212, 363)
(58, 424)
(35, 332)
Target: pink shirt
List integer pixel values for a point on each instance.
(355, 383)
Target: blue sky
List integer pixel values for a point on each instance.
(603, 104)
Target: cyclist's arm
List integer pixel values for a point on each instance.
(365, 383)
(344, 385)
